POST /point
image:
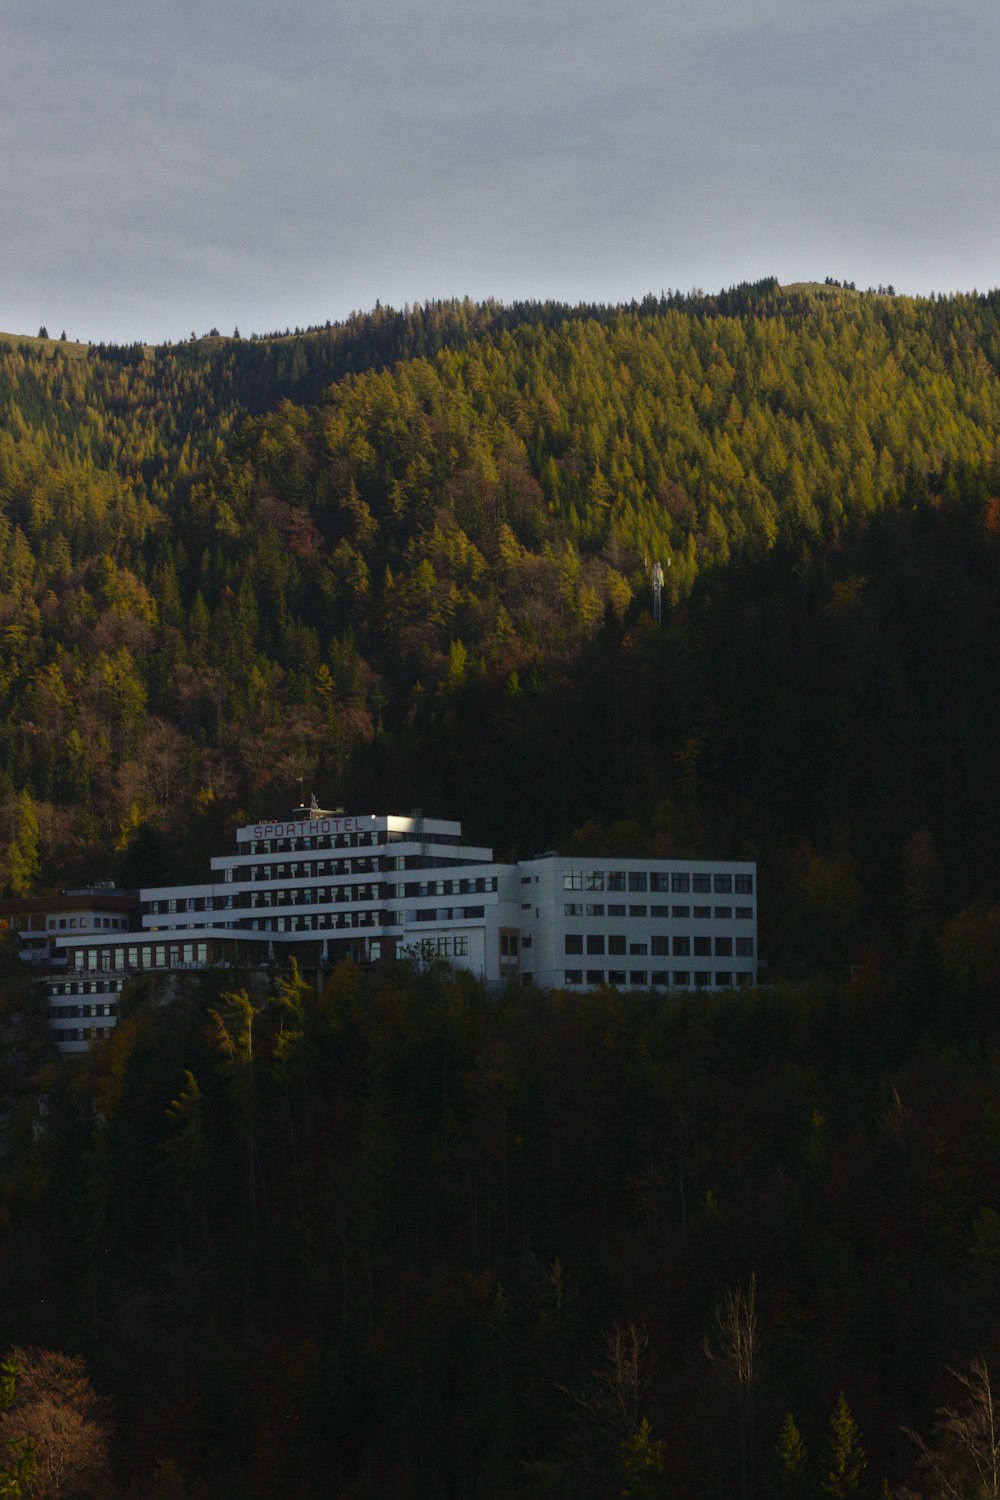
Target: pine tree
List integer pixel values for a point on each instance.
(22, 1469)
(791, 1462)
(22, 860)
(845, 1458)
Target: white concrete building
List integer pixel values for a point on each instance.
(638, 923)
(323, 886)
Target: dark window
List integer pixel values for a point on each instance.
(701, 882)
(616, 944)
(595, 943)
(638, 950)
(681, 976)
(660, 945)
(744, 885)
(680, 883)
(723, 885)
(724, 977)
(702, 947)
(616, 976)
(595, 976)
(637, 911)
(744, 947)
(573, 976)
(682, 947)
(682, 911)
(658, 882)
(723, 947)
(574, 942)
(637, 880)
(638, 976)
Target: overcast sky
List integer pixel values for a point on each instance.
(175, 165)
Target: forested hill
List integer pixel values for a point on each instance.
(404, 1238)
(409, 590)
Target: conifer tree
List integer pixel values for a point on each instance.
(22, 860)
(845, 1461)
(791, 1462)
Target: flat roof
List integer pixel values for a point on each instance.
(85, 901)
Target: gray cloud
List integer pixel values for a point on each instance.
(177, 166)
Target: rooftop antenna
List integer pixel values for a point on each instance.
(301, 782)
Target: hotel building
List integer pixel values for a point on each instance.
(324, 886)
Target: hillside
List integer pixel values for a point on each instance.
(396, 584)
(405, 1238)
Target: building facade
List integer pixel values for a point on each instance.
(323, 886)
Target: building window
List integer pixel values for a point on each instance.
(638, 880)
(682, 911)
(661, 945)
(595, 880)
(680, 883)
(595, 943)
(616, 880)
(572, 880)
(744, 885)
(616, 976)
(638, 950)
(723, 913)
(596, 976)
(701, 882)
(724, 978)
(573, 976)
(723, 947)
(595, 909)
(616, 909)
(637, 911)
(659, 882)
(702, 977)
(659, 976)
(510, 942)
(682, 976)
(702, 911)
(616, 943)
(702, 947)
(682, 947)
(638, 977)
(574, 942)
(723, 885)
(659, 911)
(573, 909)
(744, 913)
(744, 947)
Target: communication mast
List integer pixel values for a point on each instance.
(658, 591)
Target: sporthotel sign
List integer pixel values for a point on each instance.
(306, 829)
